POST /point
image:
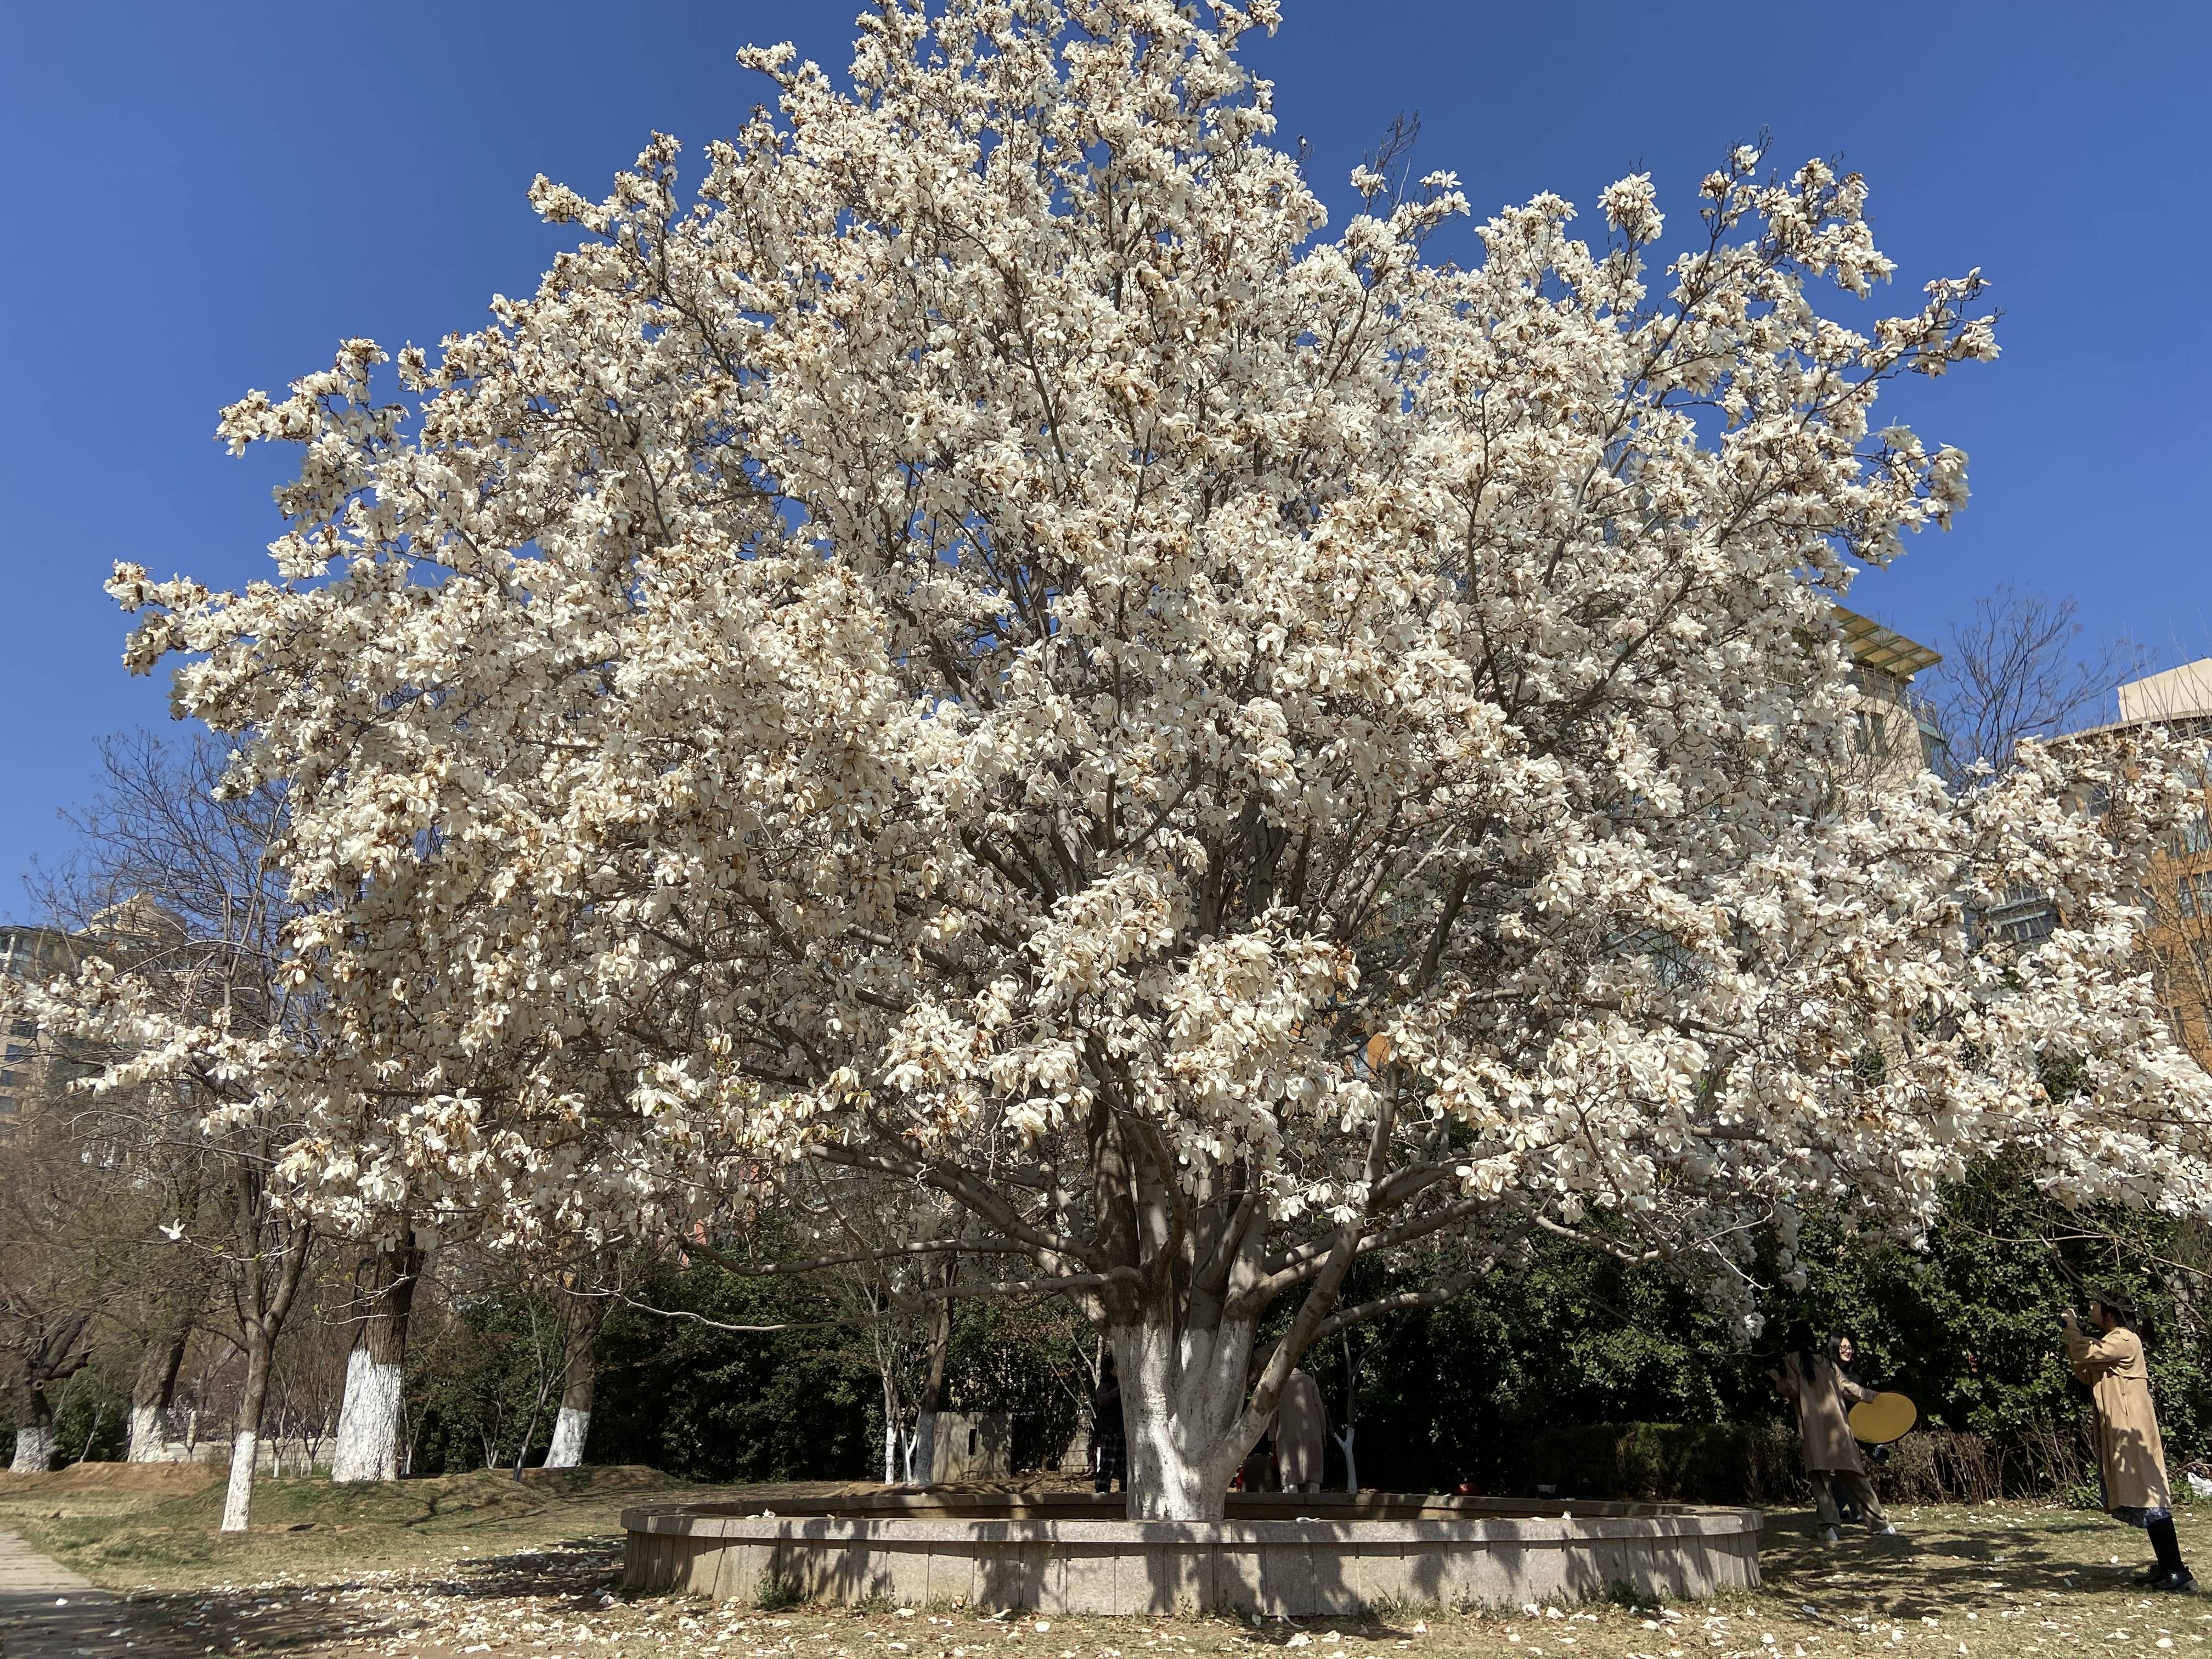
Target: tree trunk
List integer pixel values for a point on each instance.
(265, 1310)
(366, 1447)
(58, 1353)
(34, 1430)
(34, 1449)
(921, 1455)
(921, 1451)
(1353, 1357)
(895, 1441)
(580, 1372)
(894, 1437)
(151, 1391)
(1182, 1400)
(246, 1442)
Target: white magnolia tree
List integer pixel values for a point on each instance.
(988, 648)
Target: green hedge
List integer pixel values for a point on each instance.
(1721, 1463)
(1758, 1463)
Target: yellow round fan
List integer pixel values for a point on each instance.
(1885, 1418)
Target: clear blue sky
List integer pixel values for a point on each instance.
(209, 197)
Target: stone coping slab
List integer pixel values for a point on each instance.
(1296, 1553)
(674, 1521)
(1078, 1505)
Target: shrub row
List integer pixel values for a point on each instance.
(1758, 1463)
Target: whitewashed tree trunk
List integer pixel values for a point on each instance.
(246, 1438)
(366, 1447)
(921, 1449)
(370, 1421)
(580, 1374)
(1182, 1400)
(148, 1444)
(34, 1449)
(34, 1425)
(272, 1287)
(238, 1496)
(570, 1429)
(151, 1391)
(1350, 1462)
(894, 1436)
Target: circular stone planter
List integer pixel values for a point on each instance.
(1294, 1553)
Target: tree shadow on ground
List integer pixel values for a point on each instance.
(551, 1582)
(1947, 1563)
(74, 1621)
(1943, 1563)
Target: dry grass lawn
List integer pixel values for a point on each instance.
(482, 1563)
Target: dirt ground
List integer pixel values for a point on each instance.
(482, 1563)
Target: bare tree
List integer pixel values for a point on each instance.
(183, 915)
(893, 1258)
(81, 1262)
(2019, 669)
(47, 1307)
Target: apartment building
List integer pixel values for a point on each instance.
(1895, 727)
(26, 1068)
(2177, 891)
(33, 1068)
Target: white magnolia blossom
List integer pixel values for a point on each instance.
(988, 648)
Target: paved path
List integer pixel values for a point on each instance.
(47, 1612)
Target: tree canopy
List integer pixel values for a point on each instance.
(991, 651)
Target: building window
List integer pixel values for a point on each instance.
(2196, 833)
(1935, 752)
(2192, 895)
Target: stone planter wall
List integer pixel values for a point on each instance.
(1299, 1554)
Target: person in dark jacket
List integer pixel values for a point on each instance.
(1258, 1471)
(1109, 1435)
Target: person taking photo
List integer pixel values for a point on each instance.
(2130, 1456)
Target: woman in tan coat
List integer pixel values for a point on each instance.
(2130, 1457)
(1301, 1430)
(1817, 1389)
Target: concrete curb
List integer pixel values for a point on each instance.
(1294, 1554)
